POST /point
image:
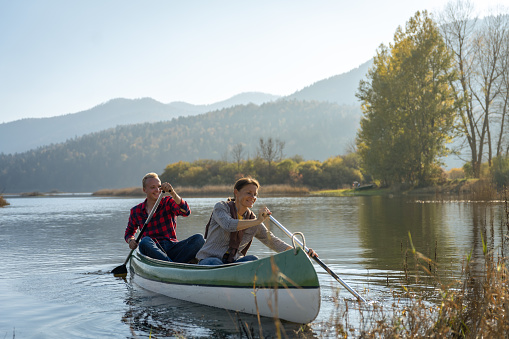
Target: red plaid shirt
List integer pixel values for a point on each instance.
(163, 224)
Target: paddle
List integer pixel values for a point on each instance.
(121, 271)
(334, 275)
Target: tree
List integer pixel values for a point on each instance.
(457, 26)
(480, 52)
(271, 150)
(238, 154)
(408, 105)
(488, 86)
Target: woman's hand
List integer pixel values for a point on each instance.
(263, 214)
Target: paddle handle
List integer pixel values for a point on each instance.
(334, 275)
(145, 224)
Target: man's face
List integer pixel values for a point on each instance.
(152, 187)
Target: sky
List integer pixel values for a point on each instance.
(60, 56)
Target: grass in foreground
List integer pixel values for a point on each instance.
(476, 305)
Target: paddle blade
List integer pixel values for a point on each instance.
(120, 271)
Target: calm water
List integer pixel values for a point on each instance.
(56, 253)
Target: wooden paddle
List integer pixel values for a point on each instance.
(121, 271)
(334, 275)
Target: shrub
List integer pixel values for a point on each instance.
(456, 173)
(499, 172)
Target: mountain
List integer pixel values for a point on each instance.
(118, 157)
(26, 134)
(23, 135)
(339, 88)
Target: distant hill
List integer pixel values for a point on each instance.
(23, 135)
(119, 156)
(26, 134)
(340, 89)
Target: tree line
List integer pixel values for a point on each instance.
(269, 166)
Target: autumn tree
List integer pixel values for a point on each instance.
(408, 105)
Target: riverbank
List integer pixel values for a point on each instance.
(460, 186)
(479, 187)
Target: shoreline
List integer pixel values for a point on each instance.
(478, 187)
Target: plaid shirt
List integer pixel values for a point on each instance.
(163, 224)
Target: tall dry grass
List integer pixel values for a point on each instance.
(3, 202)
(209, 191)
(475, 305)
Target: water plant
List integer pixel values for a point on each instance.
(3, 202)
(476, 304)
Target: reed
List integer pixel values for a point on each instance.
(475, 305)
(122, 192)
(32, 194)
(3, 202)
(208, 191)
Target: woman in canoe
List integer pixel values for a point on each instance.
(232, 227)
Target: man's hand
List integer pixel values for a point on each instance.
(132, 243)
(166, 187)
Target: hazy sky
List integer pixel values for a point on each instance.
(61, 56)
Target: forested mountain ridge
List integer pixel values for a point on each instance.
(120, 156)
(340, 88)
(22, 135)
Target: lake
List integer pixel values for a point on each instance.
(57, 252)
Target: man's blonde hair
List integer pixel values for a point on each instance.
(148, 176)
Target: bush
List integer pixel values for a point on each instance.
(456, 173)
(499, 172)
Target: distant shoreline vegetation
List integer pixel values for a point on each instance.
(477, 187)
(208, 191)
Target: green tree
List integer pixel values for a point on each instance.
(408, 105)
(172, 172)
(311, 172)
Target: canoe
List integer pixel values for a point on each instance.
(364, 187)
(284, 285)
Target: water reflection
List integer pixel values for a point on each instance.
(57, 252)
(152, 313)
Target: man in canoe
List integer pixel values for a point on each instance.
(232, 227)
(160, 237)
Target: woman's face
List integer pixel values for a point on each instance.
(247, 195)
